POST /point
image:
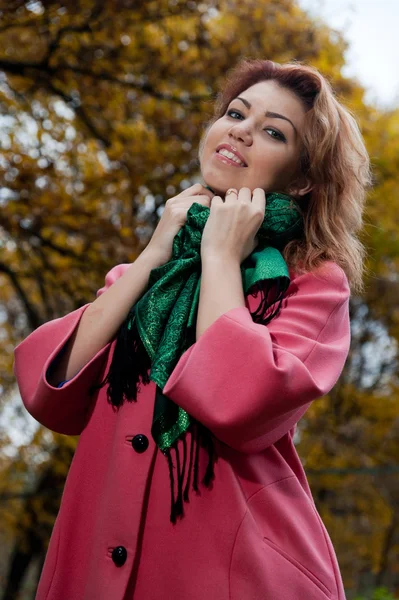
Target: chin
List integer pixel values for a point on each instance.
(220, 179)
(219, 185)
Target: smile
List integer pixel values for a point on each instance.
(229, 155)
(229, 158)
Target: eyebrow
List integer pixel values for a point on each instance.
(272, 115)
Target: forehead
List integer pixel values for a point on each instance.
(270, 96)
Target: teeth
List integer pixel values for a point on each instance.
(230, 155)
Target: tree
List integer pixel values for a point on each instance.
(102, 105)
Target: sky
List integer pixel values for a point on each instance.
(372, 29)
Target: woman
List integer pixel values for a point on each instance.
(231, 350)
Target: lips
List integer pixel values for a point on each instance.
(236, 159)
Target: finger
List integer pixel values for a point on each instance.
(231, 195)
(197, 188)
(245, 194)
(201, 189)
(207, 192)
(259, 199)
(201, 200)
(217, 200)
(184, 203)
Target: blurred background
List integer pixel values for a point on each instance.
(102, 105)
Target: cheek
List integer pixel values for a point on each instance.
(216, 134)
(204, 147)
(210, 136)
(208, 146)
(269, 161)
(277, 158)
(273, 166)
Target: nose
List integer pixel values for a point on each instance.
(241, 132)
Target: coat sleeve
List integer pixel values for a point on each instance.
(248, 383)
(64, 409)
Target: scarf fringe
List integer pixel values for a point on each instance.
(130, 365)
(200, 435)
(271, 294)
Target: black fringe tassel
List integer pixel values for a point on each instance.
(271, 299)
(200, 436)
(130, 367)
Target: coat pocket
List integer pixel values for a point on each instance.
(312, 578)
(298, 568)
(261, 571)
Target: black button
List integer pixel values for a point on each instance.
(140, 443)
(119, 555)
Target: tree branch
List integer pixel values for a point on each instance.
(33, 317)
(84, 27)
(147, 88)
(49, 244)
(80, 112)
(385, 551)
(22, 69)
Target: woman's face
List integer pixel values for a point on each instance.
(257, 143)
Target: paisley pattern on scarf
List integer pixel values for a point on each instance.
(161, 326)
(166, 315)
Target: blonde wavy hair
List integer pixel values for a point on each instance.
(333, 159)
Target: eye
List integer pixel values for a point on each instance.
(276, 134)
(233, 112)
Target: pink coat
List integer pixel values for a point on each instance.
(257, 534)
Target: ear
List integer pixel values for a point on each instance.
(301, 188)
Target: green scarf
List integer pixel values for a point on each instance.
(161, 326)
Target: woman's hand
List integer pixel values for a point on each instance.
(172, 220)
(230, 230)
